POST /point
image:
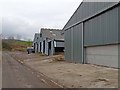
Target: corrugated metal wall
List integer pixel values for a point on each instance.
(102, 29)
(68, 52)
(73, 44)
(119, 37)
(60, 44)
(87, 9)
(103, 55)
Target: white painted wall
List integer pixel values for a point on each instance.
(52, 47)
(46, 47)
(42, 47)
(53, 44)
(102, 55)
(36, 47)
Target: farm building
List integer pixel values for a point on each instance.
(91, 34)
(36, 41)
(49, 41)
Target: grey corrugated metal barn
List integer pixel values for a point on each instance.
(91, 34)
(49, 41)
(36, 41)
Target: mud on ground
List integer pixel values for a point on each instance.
(70, 74)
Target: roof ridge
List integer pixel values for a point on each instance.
(49, 29)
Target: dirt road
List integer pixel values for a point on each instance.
(15, 75)
(70, 75)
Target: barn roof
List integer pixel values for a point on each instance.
(52, 33)
(36, 37)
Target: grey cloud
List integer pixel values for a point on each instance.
(26, 17)
(17, 26)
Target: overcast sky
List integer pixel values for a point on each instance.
(26, 17)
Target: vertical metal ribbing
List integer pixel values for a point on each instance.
(83, 42)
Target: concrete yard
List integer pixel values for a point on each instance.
(68, 74)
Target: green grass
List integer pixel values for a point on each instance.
(15, 45)
(26, 43)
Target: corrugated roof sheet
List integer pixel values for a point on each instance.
(37, 35)
(52, 33)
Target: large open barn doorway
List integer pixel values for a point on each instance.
(59, 49)
(44, 46)
(49, 48)
(40, 46)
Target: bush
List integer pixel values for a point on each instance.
(15, 45)
(6, 46)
